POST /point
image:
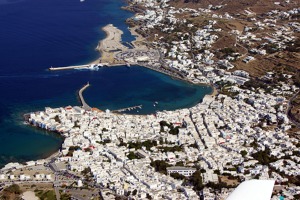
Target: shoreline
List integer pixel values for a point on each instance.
(54, 154)
(139, 38)
(57, 152)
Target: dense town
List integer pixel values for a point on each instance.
(242, 131)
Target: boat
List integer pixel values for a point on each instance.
(93, 67)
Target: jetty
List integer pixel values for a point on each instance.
(128, 108)
(85, 106)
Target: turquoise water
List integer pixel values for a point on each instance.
(37, 34)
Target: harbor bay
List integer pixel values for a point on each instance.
(28, 85)
(110, 88)
(35, 36)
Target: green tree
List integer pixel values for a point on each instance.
(174, 131)
(148, 196)
(162, 125)
(171, 149)
(132, 156)
(196, 180)
(176, 175)
(160, 166)
(180, 163)
(134, 192)
(86, 171)
(264, 157)
(14, 188)
(244, 153)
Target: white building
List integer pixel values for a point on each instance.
(185, 171)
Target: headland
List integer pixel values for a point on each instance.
(111, 44)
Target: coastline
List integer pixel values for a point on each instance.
(196, 112)
(104, 53)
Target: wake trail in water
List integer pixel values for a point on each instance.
(29, 76)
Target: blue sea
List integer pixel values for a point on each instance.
(38, 34)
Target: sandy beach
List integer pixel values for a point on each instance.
(214, 92)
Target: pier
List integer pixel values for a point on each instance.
(90, 66)
(128, 109)
(69, 67)
(85, 106)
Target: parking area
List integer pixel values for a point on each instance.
(135, 55)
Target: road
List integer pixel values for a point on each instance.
(57, 194)
(288, 111)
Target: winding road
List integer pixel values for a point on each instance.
(288, 111)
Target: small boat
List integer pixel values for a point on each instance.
(93, 67)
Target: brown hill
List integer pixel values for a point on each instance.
(237, 6)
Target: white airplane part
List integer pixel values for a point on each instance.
(253, 190)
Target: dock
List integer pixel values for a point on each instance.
(85, 106)
(128, 109)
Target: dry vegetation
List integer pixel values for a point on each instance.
(229, 181)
